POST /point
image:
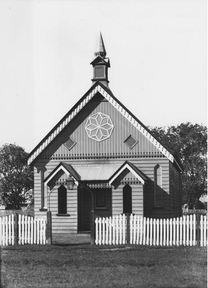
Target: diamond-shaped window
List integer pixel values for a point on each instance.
(70, 143)
(130, 141)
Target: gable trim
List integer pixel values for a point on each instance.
(107, 94)
(67, 170)
(133, 169)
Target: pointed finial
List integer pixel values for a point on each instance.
(101, 47)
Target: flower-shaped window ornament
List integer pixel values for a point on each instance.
(99, 126)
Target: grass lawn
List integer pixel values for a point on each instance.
(84, 265)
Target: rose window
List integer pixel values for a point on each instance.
(99, 126)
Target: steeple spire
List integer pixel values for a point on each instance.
(101, 47)
(101, 63)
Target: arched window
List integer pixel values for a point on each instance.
(158, 185)
(62, 200)
(127, 199)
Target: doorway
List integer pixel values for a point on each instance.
(84, 209)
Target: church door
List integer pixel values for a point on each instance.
(84, 209)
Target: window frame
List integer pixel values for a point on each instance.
(97, 72)
(98, 193)
(62, 196)
(158, 186)
(127, 186)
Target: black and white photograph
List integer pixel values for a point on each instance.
(103, 144)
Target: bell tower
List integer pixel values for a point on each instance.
(100, 64)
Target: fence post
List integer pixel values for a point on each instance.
(49, 228)
(92, 224)
(128, 228)
(16, 229)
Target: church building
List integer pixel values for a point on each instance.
(101, 157)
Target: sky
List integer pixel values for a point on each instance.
(157, 50)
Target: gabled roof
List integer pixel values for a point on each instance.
(98, 87)
(67, 169)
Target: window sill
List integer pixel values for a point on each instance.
(43, 209)
(63, 215)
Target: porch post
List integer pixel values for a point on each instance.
(49, 228)
(92, 217)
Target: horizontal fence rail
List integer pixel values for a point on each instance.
(189, 230)
(22, 229)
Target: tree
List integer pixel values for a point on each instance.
(16, 177)
(189, 143)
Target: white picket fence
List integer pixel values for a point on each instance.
(30, 230)
(186, 231)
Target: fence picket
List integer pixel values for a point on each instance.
(148, 221)
(142, 230)
(177, 231)
(184, 230)
(171, 231)
(6, 229)
(194, 229)
(12, 223)
(191, 231)
(161, 232)
(114, 230)
(174, 231)
(110, 231)
(22, 229)
(154, 232)
(38, 231)
(107, 229)
(150, 232)
(103, 234)
(124, 229)
(29, 231)
(96, 231)
(9, 230)
(164, 232)
(35, 231)
(26, 229)
(120, 229)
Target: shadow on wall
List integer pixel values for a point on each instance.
(170, 205)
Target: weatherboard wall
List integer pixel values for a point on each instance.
(142, 196)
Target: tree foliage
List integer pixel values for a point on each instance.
(16, 177)
(189, 143)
